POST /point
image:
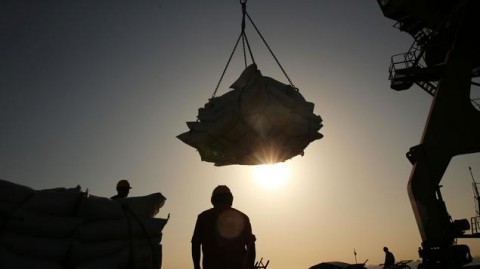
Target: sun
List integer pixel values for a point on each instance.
(271, 176)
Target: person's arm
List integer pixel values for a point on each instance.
(196, 244)
(196, 254)
(251, 254)
(251, 249)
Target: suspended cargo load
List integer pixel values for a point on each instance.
(260, 121)
(67, 228)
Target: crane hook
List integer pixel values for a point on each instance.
(244, 11)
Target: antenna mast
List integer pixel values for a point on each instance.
(475, 193)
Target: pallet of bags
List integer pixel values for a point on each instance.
(128, 235)
(68, 228)
(37, 225)
(12, 260)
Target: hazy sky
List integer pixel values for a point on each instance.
(95, 91)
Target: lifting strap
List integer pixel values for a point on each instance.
(243, 37)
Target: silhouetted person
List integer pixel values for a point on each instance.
(123, 188)
(389, 258)
(224, 234)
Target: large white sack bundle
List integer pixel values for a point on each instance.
(7, 209)
(83, 252)
(38, 224)
(260, 121)
(47, 225)
(144, 206)
(36, 247)
(14, 194)
(59, 201)
(99, 208)
(106, 230)
(10, 260)
(139, 257)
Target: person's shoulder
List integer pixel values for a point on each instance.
(206, 212)
(239, 212)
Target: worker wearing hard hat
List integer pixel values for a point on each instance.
(123, 188)
(224, 235)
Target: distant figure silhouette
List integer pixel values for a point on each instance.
(123, 188)
(389, 258)
(224, 234)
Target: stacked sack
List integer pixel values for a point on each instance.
(260, 121)
(67, 228)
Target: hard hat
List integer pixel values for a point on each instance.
(123, 184)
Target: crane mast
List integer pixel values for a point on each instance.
(443, 59)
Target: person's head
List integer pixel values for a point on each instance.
(385, 249)
(222, 195)
(123, 188)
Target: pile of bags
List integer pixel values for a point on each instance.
(260, 121)
(67, 228)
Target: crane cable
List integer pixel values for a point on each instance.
(243, 37)
(271, 52)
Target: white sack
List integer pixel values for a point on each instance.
(36, 247)
(6, 209)
(144, 257)
(118, 229)
(144, 206)
(37, 224)
(99, 208)
(83, 252)
(260, 121)
(12, 193)
(10, 260)
(59, 202)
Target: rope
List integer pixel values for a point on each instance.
(244, 52)
(244, 11)
(8, 216)
(228, 62)
(144, 230)
(275, 57)
(243, 37)
(131, 256)
(249, 48)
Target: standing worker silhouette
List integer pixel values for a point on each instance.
(224, 235)
(389, 258)
(123, 188)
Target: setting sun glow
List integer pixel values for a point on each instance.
(271, 176)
